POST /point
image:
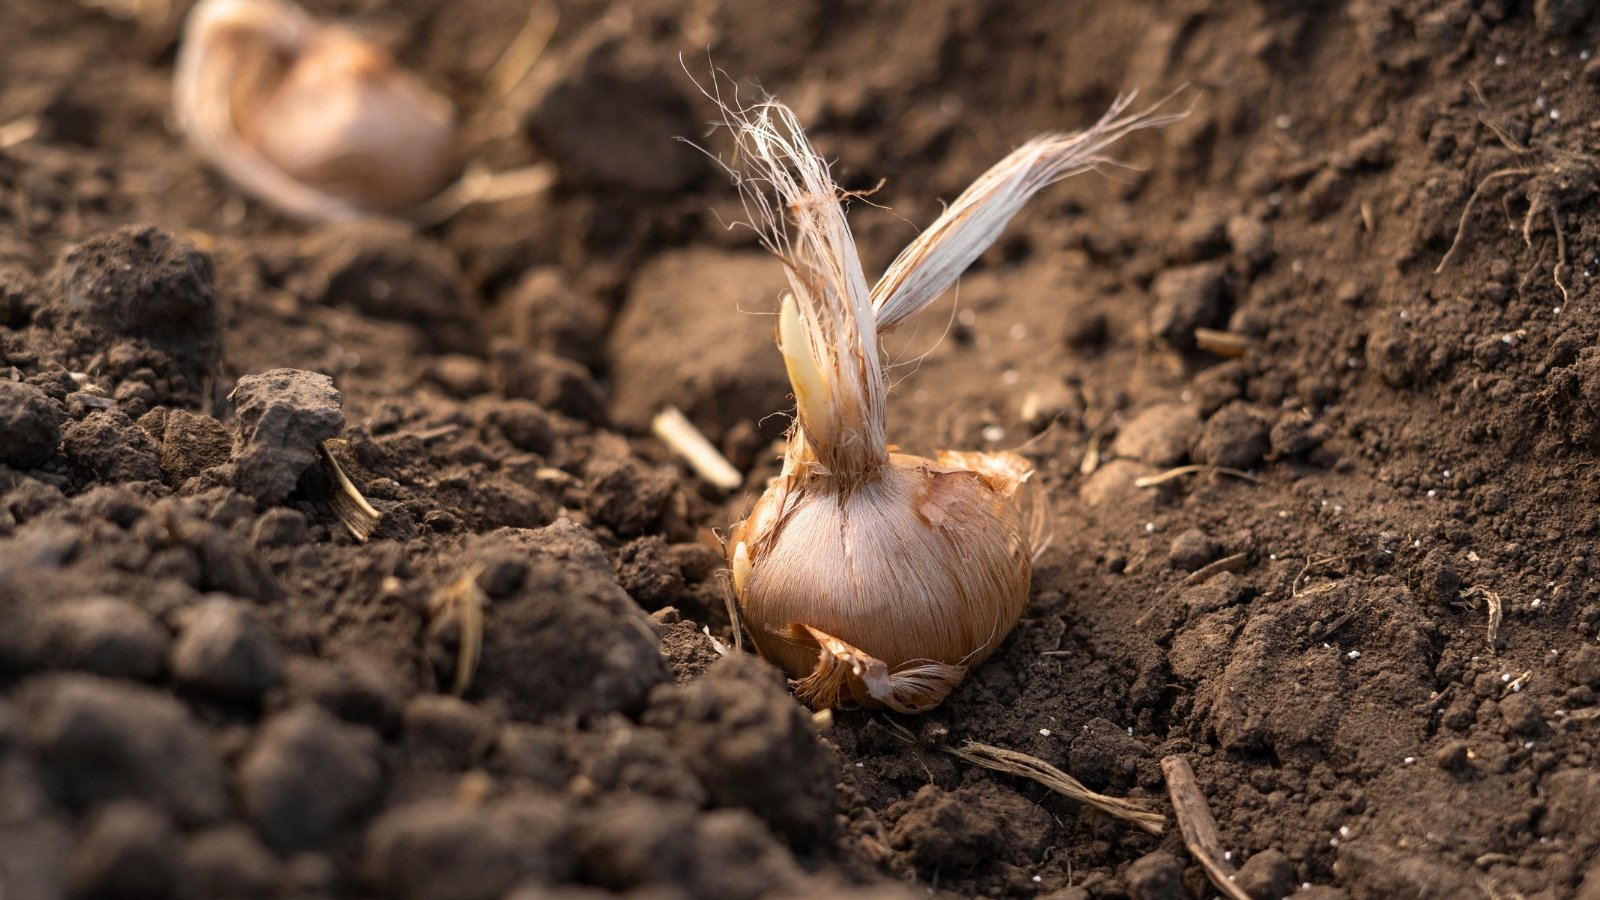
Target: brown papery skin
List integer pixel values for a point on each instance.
(920, 562)
(348, 120)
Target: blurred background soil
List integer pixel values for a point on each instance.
(1385, 680)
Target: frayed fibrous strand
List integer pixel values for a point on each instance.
(791, 200)
(927, 267)
(831, 346)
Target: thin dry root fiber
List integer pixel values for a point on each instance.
(464, 600)
(1010, 762)
(1199, 829)
(875, 578)
(675, 430)
(351, 508)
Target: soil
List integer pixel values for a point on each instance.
(210, 688)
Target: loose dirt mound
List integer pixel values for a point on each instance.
(1387, 688)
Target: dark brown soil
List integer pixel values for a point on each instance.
(208, 688)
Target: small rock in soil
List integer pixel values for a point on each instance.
(1583, 666)
(1522, 714)
(553, 382)
(1192, 549)
(1103, 754)
(1398, 356)
(108, 637)
(569, 641)
(30, 425)
(618, 756)
(146, 286)
(1267, 875)
(648, 572)
(967, 829)
(109, 447)
(627, 494)
(676, 343)
(1157, 876)
(101, 740)
(1186, 298)
(357, 689)
(1377, 873)
(444, 732)
(230, 861)
(1436, 580)
(1251, 240)
(283, 414)
(307, 778)
(448, 850)
(1295, 433)
(190, 443)
(1235, 437)
(627, 842)
(547, 311)
(525, 424)
(226, 651)
(386, 270)
(129, 851)
(1160, 435)
(281, 527)
(735, 726)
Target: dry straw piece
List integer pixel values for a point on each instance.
(875, 578)
(309, 117)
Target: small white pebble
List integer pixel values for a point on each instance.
(1045, 732)
(967, 317)
(1149, 527)
(1555, 115)
(1353, 655)
(1037, 879)
(1418, 543)
(1227, 854)
(1528, 745)
(1130, 727)
(1409, 760)
(1283, 514)
(1297, 267)
(1019, 332)
(1505, 338)
(1344, 831)
(1274, 198)
(861, 765)
(1333, 842)
(1558, 310)
(1499, 60)
(994, 433)
(1282, 122)
(1009, 376)
(1352, 363)
(1516, 688)
(1447, 473)
(1536, 603)
(1505, 676)
(1186, 395)
(1272, 556)
(1432, 493)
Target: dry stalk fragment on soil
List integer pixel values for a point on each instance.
(463, 600)
(876, 578)
(1011, 762)
(349, 505)
(1198, 827)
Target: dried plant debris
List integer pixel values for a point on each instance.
(351, 508)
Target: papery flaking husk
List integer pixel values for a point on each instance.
(879, 579)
